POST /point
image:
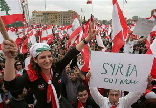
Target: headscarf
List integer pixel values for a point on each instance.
(37, 48)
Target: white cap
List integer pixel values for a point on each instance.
(37, 48)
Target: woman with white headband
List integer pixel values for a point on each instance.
(43, 77)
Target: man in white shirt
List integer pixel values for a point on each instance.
(130, 42)
(113, 100)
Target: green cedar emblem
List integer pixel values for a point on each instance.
(44, 48)
(4, 6)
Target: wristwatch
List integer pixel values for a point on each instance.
(84, 41)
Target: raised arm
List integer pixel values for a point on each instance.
(91, 35)
(142, 39)
(10, 50)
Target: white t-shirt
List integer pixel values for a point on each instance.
(124, 102)
(128, 47)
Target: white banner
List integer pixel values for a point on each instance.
(143, 27)
(120, 71)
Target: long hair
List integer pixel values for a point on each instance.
(35, 66)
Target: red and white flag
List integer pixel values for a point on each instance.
(76, 28)
(11, 11)
(152, 50)
(47, 34)
(119, 27)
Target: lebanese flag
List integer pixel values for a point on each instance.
(30, 40)
(75, 23)
(89, 1)
(100, 42)
(153, 50)
(119, 27)
(47, 34)
(85, 52)
(12, 35)
(86, 55)
(11, 11)
(76, 28)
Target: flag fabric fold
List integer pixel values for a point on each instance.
(119, 27)
(11, 11)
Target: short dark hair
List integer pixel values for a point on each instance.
(81, 88)
(18, 61)
(149, 103)
(15, 93)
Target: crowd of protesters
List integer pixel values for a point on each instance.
(72, 79)
(74, 82)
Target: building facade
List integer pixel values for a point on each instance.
(53, 17)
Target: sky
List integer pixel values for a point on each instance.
(101, 9)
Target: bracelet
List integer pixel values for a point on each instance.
(84, 41)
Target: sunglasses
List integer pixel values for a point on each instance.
(18, 64)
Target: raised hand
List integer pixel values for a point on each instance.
(9, 48)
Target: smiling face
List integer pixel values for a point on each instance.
(83, 96)
(44, 60)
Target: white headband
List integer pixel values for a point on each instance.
(37, 48)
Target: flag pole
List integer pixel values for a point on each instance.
(3, 30)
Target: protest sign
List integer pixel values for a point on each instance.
(120, 71)
(143, 27)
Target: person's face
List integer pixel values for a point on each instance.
(73, 76)
(83, 96)
(114, 96)
(4, 90)
(68, 69)
(2, 64)
(44, 60)
(131, 38)
(19, 66)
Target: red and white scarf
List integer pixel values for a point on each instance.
(51, 92)
(79, 104)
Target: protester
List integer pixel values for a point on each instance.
(19, 66)
(130, 42)
(42, 77)
(83, 98)
(113, 100)
(18, 99)
(72, 80)
(6, 96)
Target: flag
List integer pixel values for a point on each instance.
(75, 23)
(11, 11)
(76, 29)
(47, 34)
(119, 27)
(86, 55)
(153, 50)
(89, 1)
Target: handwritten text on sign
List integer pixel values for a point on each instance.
(120, 71)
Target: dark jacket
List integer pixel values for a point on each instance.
(90, 103)
(39, 85)
(18, 104)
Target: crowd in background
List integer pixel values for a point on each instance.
(72, 77)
